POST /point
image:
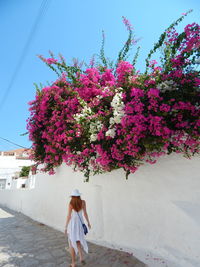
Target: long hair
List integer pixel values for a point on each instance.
(76, 203)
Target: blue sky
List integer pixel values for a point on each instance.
(72, 28)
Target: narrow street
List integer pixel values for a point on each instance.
(26, 243)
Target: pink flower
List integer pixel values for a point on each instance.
(165, 108)
(123, 69)
(153, 93)
(127, 23)
(51, 61)
(150, 122)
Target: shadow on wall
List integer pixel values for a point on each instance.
(181, 258)
(191, 209)
(97, 213)
(25, 242)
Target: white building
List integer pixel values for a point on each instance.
(155, 214)
(11, 163)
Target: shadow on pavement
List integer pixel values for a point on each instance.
(27, 243)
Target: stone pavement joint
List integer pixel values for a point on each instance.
(27, 243)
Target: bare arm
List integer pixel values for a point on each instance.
(68, 215)
(85, 213)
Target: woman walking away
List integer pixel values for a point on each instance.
(74, 226)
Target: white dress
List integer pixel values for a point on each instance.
(75, 231)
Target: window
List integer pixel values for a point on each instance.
(2, 183)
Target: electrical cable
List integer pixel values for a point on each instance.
(41, 13)
(12, 142)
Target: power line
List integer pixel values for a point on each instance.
(41, 13)
(12, 142)
(4, 146)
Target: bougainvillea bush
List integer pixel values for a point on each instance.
(108, 115)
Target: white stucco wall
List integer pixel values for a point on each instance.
(9, 165)
(155, 214)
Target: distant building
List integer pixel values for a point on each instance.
(11, 163)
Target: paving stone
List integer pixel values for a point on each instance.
(49, 265)
(44, 256)
(8, 265)
(58, 253)
(27, 243)
(29, 262)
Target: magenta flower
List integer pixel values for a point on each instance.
(51, 61)
(99, 119)
(127, 23)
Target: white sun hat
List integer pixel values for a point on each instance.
(75, 193)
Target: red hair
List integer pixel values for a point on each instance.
(76, 203)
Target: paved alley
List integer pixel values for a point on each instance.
(27, 243)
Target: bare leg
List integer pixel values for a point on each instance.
(80, 250)
(72, 251)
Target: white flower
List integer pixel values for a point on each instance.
(111, 133)
(112, 121)
(95, 127)
(90, 168)
(93, 137)
(86, 111)
(119, 89)
(117, 119)
(117, 99)
(167, 86)
(118, 108)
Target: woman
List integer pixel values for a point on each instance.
(74, 228)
